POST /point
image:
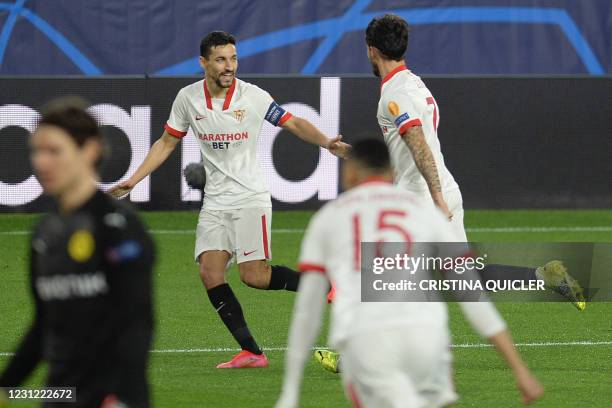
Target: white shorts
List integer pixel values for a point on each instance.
(244, 233)
(399, 368)
(455, 205)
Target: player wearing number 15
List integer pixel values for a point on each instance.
(394, 354)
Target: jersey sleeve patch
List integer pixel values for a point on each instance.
(393, 108)
(127, 250)
(401, 119)
(276, 115)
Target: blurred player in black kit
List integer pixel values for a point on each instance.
(90, 265)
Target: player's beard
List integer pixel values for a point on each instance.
(220, 84)
(375, 70)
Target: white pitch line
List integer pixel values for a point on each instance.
(181, 232)
(464, 345)
(174, 232)
(541, 229)
(469, 229)
(218, 350)
(542, 344)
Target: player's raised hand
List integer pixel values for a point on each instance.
(529, 386)
(337, 147)
(121, 189)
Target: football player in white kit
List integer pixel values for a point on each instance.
(226, 115)
(394, 354)
(408, 116)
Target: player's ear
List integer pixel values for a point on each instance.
(203, 62)
(373, 52)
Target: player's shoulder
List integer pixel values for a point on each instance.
(362, 195)
(48, 222)
(250, 90)
(320, 219)
(191, 90)
(122, 235)
(117, 216)
(386, 190)
(101, 214)
(404, 84)
(376, 193)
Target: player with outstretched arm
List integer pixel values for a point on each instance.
(226, 114)
(395, 354)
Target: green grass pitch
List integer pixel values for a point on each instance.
(190, 339)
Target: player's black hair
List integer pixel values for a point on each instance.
(70, 114)
(371, 154)
(215, 39)
(389, 34)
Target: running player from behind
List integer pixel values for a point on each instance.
(395, 354)
(91, 264)
(408, 116)
(226, 115)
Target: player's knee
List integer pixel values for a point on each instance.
(211, 275)
(253, 274)
(248, 276)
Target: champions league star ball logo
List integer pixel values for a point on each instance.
(239, 114)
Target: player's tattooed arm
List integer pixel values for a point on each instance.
(424, 160)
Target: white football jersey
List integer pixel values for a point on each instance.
(405, 101)
(227, 131)
(371, 212)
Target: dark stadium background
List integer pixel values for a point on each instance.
(523, 86)
(510, 142)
